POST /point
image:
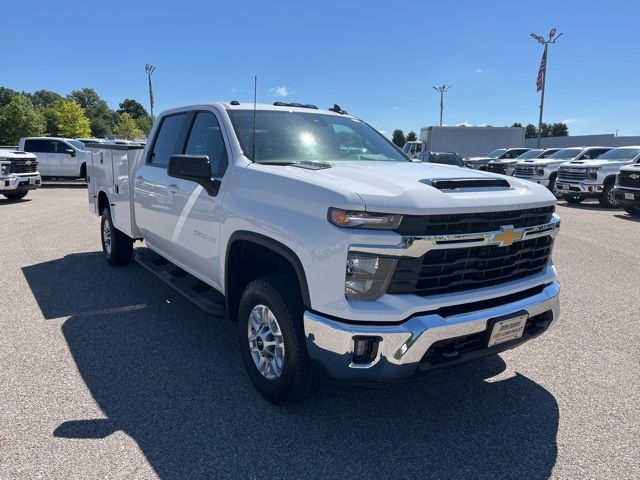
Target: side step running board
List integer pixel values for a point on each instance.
(205, 297)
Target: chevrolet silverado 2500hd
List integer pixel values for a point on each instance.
(580, 179)
(544, 171)
(333, 252)
(627, 189)
(18, 173)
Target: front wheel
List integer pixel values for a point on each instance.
(16, 196)
(116, 246)
(607, 198)
(633, 211)
(575, 199)
(272, 342)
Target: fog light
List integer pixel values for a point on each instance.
(365, 350)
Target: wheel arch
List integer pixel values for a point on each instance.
(103, 201)
(237, 245)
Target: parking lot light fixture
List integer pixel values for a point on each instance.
(541, 80)
(441, 90)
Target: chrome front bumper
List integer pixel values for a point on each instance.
(12, 183)
(402, 347)
(579, 188)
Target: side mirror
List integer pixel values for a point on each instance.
(195, 168)
(70, 151)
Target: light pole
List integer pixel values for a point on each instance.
(150, 69)
(541, 80)
(442, 89)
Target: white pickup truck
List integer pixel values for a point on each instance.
(580, 179)
(18, 173)
(335, 254)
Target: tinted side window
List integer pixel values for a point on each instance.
(206, 139)
(36, 146)
(167, 140)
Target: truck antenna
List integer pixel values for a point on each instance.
(255, 97)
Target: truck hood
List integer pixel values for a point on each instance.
(593, 163)
(399, 187)
(479, 159)
(543, 161)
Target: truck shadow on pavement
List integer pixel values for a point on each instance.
(172, 379)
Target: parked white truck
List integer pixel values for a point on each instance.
(466, 141)
(334, 254)
(544, 171)
(595, 178)
(18, 173)
(58, 157)
(627, 189)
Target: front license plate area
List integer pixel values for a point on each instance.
(508, 329)
(629, 196)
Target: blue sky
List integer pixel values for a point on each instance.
(377, 59)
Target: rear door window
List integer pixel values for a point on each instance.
(206, 138)
(169, 140)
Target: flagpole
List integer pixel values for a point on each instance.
(544, 84)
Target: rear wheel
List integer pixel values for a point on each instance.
(607, 199)
(633, 211)
(272, 341)
(573, 199)
(116, 246)
(16, 196)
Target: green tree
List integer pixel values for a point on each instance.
(546, 130)
(6, 95)
(398, 138)
(530, 131)
(102, 118)
(411, 136)
(19, 118)
(45, 99)
(126, 127)
(71, 120)
(559, 130)
(517, 124)
(133, 108)
(144, 124)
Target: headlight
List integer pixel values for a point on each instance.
(367, 276)
(593, 172)
(4, 169)
(540, 170)
(354, 219)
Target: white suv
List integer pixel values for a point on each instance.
(57, 157)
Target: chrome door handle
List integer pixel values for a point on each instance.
(173, 188)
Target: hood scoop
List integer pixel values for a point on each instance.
(458, 184)
(575, 162)
(312, 165)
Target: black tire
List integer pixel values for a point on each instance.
(119, 250)
(633, 211)
(606, 199)
(16, 196)
(552, 183)
(281, 296)
(575, 199)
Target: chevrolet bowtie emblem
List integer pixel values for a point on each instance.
(506, 236)
(634, 176)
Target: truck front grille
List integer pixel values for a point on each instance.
(473, 222)
(572, 174)
(22, 167)
(460, 269)
(497, 168)
(525, 170)
(629, 179)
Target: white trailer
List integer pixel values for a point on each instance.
(467, 141)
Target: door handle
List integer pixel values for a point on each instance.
(173, 188)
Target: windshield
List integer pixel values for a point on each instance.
(291, 137)
(443, 158)
(496, 153)
(620, 154)
(567, 153)
(76, 143)
(530, 154)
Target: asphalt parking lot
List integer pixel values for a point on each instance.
(107, 373)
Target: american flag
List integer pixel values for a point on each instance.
(542, 71)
